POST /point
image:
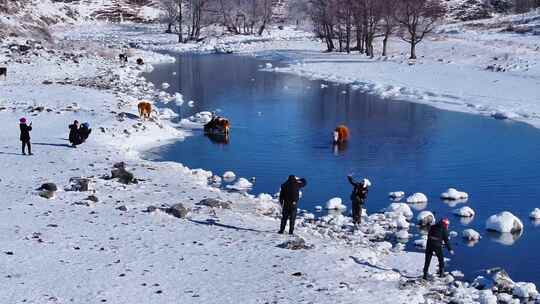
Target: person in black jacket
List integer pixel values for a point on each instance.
(25, 136)
(358, 198)
(288, 198)
(74, 134)
(438, 234)
(84, 131)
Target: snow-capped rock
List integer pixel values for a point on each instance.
(464, 212)
(241, 184)
(471, 235)
(400, 208)
(525, 290)
(453, 194)
(335, 204)
(229, 176)
(422, 242)
(402, 234)
(178, 99)
(487, 297)
(452, 234)
(425, 218)
(396, 194)
(167, 113)
(504, 222)
(165, 85)
(268, 65)
(318, 208)
(417, 198)
(535, 214)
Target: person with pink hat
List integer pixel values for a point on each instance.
(25, 136)
(437, 237)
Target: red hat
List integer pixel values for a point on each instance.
(22, 120)
(445, 222)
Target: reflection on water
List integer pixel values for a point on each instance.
(507, 239)
(282, 124)
(466, 220)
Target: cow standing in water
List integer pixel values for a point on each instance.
(341, 134)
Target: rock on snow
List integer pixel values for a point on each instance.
(504, 222)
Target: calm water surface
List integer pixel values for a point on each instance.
(281, 125)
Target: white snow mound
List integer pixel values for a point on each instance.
(417, 198)
(241, 184)
(535, 214)
(335, 204)
(229, 176)
(425, 218)
(453, 194)
(464, 212)
(396, 194)
(525, 290)
(504, 222)
(471, 235)
(400, 208)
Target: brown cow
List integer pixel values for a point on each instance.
(145, 108)
(218, 125)
(341, 134)
(3, 72)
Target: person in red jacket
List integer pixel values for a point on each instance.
(25, 136)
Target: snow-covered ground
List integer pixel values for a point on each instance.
(72, 249)
(101, 245)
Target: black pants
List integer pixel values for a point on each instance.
(288, 213)
(27, 144)
(430, 249)
(357, 211)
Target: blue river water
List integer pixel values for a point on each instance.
(282, 124)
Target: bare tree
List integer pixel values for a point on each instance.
(389, 10)
(418, 18)
(173, 16)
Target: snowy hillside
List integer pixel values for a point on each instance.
(32, 18)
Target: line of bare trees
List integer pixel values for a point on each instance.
(187, 18)
(355, 24)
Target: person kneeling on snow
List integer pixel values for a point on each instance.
(438, 234)
(25, 135)
(84, 131)
(358, 198)
(74, 134)
(288, 198)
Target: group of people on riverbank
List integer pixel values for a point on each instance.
(78, 134)
(289, 196)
